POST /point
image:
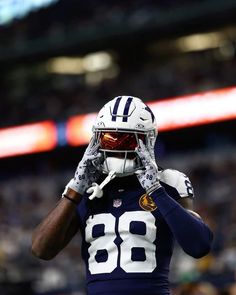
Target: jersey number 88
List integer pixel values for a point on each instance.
(130, 241)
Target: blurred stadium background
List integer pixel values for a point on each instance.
(60, 61)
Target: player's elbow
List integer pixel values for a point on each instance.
(41, 253)
(201, 247)
(199, 252)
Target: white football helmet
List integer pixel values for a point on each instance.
(118, 127)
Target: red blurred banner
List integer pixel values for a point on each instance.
(180, 112)
(79, 129)
(30, 138)
(196, 109)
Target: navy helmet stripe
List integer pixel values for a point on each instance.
(150, 111)
(114, 113)
(126, 109)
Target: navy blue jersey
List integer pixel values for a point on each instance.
(127, 245)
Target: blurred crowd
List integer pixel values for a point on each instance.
(66, 16)
(30, 93)
(57, 97)
(26, 199)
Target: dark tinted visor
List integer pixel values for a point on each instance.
(119, 141)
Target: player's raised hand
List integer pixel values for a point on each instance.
(148, 176)
(86, 172)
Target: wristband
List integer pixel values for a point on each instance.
(153, 188)
(70, 199)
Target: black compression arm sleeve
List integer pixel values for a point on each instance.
(193, 235)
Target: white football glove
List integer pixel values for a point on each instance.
(86, 172)
(148, 177)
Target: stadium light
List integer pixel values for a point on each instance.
(203, 41)
(94, 62)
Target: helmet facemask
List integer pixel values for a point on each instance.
(118, 149)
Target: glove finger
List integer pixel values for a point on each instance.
(92, 157)
(142, 146)
(99, 155)
(144, 154)
(141, 155)
(94, 148)
(139, 152)
(96, 162)
(139, 173)
(91, 143)
(141, 149)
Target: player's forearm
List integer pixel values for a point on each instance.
(55, 231)
(192, 233)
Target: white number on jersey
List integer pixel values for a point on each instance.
(130, 242)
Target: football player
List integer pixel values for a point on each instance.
(128, 210)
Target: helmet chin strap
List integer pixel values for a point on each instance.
(96, 190)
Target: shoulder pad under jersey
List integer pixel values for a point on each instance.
(177, 180)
